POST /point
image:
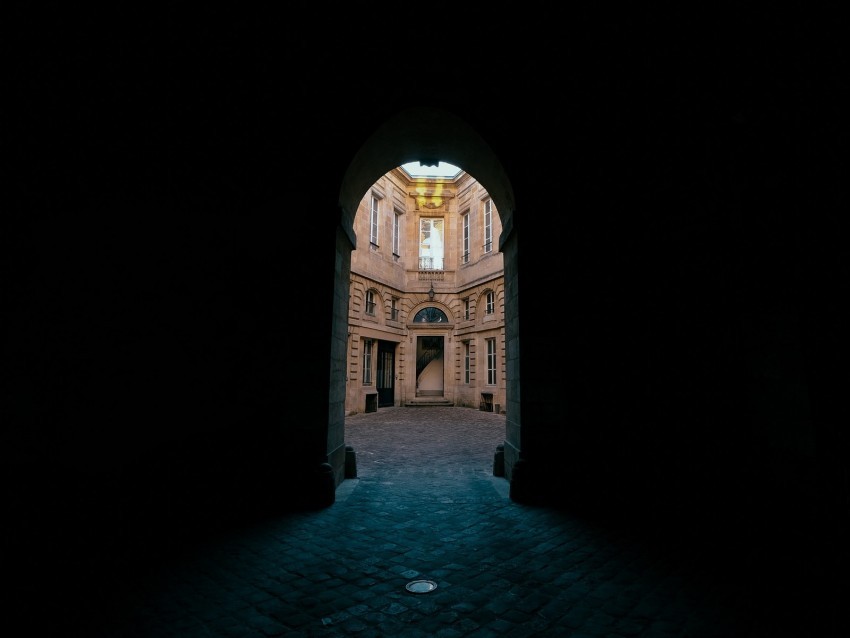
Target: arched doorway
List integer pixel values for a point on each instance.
(423, 134)
(430, 353)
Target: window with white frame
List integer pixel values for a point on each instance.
(491, 362)
(465, 255)
(367, 361)
(431, 243)
(466, 308)
(394, 309)
(466, 362)
(490, 305)
(370, 302)
(396, 234)
(373, 221)
(488, 225)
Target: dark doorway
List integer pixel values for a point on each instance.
(429, 366)
(386, 374)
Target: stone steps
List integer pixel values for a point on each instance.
(427, 401)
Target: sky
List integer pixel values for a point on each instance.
(441, 170)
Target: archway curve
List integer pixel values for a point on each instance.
(425, 133)
(417, 134)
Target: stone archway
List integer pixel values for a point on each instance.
(423, 134)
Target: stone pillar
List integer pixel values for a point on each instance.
(522, 488)
(324, 485)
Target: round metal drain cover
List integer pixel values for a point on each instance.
(421, 586)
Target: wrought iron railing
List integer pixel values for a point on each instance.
(425, 358)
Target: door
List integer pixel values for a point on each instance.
(429, 366)
(385, 382)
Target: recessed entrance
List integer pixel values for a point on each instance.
(430, 361)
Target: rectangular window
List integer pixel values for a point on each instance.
(488, 226)
(396, 234)
(491, 362)
(466, 238)
(373, 222)
(466, 362)
(394, 309)
(430, 244)
(370, 302)
(466, 308)
(490, 308)
(367, 362)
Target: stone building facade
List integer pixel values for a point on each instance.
(426, 307)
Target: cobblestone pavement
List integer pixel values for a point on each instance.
(425, 505)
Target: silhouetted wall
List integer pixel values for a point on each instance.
(169, 242)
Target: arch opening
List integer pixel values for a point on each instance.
(415, 135)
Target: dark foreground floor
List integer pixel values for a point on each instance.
(425, 505)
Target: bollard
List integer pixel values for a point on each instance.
(350, 462)
(499, 461)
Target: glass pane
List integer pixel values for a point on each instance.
(431, 244)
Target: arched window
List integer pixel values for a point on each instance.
(430, 315)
